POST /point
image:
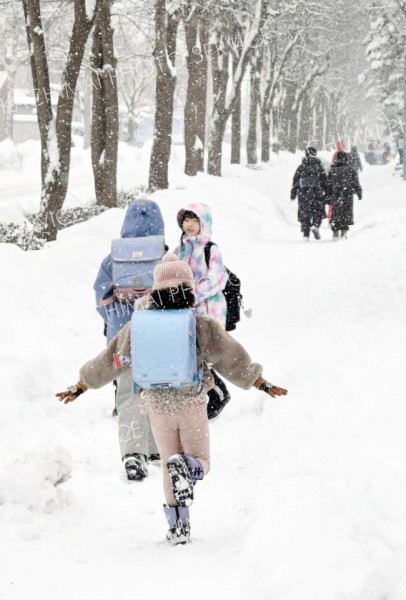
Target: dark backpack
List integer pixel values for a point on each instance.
(232, 292)
(341, 180)
(310, 177)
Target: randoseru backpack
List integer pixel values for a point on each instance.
(232, 292)
(133, 261)
(164, 349)
(310, 177)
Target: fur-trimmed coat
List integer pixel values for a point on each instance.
(215, 347)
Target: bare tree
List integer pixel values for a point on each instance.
(223, 104)
(255, 100)
(55, 130)
(196, 33)
(166, 27)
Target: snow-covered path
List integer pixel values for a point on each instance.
(306, 496)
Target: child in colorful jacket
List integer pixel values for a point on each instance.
(178, 416)
(195, 221)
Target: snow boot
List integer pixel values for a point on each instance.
(135, 466)
(154, 458)
(306, 238)
(316, 233)
(179, 524)
(184, 470)
(335, 235)
(219, 396)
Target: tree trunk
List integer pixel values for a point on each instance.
(265, 136)
(87, 109)
(201, 107)
(192, 149)
(305, 118)
(219, 62)
(40, 77)
(105, 110)
(236, 122)
(9, 123)
(166, 28)
(215, 146)
(293, 130)
(319, 122)
(255, 98)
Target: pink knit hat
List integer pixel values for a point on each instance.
(172, 272)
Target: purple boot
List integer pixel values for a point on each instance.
(184, 470)
(179, 525)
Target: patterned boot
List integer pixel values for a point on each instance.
(179, 524)
(184, 470)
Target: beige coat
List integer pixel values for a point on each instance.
(215, 346)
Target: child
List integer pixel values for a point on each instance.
(137, 445)
(178, 416)
(195, 221)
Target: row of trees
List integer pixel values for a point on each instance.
(285, 52)
(385, 47)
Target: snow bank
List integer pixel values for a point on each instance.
(305, 499)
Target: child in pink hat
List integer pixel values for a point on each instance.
(178, 416)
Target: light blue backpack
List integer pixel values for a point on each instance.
(133, 261)
(163, 349)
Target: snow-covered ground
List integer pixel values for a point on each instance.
(306, 498)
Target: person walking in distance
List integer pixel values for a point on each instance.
(310, 187)
(343, 184)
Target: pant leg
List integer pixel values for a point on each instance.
(187, 433)
(304, 215)
(134, 428)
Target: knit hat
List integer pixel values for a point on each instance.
(172, 272)
(310, 151)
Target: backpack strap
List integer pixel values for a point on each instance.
(207, 252)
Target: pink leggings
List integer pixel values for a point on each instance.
(188, 433)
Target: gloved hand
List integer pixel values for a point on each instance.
(72, 392)
(269, 388)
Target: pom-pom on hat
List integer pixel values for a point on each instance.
(172, 272)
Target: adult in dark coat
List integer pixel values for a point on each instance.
(355, 159)
(343, 184)
(310, 187)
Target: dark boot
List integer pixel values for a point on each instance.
(179, 524)
(218, 397)
(135, 466)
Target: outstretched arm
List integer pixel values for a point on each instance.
(230, 358)
(102, 369)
